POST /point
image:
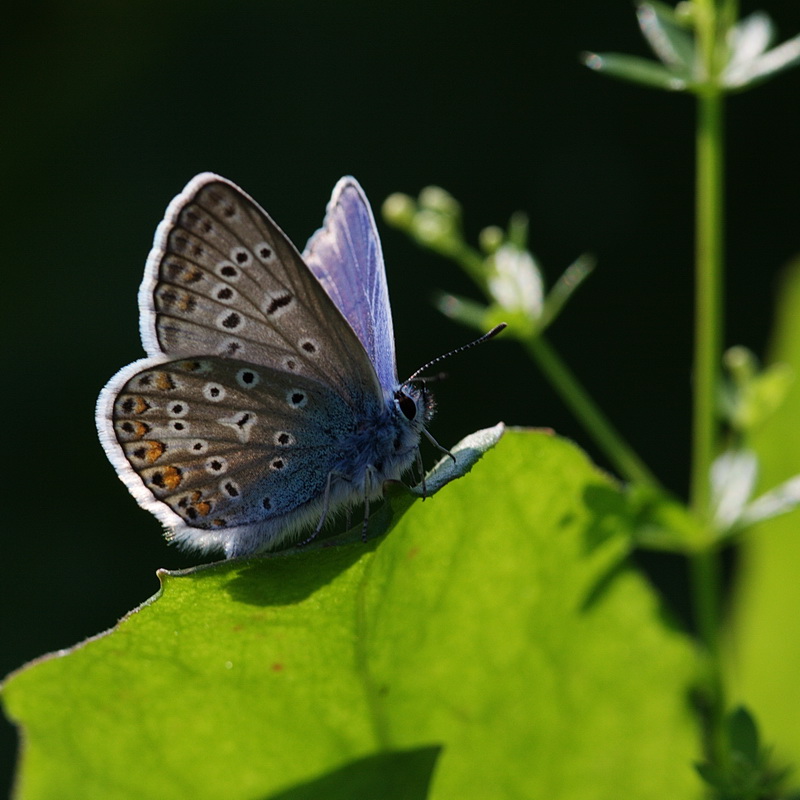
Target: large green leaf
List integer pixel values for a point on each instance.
(494, 643)
(765, 653)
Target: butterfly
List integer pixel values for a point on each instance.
(269, 398)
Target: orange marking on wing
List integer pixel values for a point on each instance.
(140, 405)
(139, 429)
(171, 477)
(154, 451)
(187, 302)
(203, 508)
(164, 382)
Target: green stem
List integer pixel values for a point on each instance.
(705, 566)
(706, 588)
(601, 430)
(708, 302)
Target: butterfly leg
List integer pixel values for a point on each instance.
(436, 444)
(368, 476)
(326, 505)
(366, 519)
(421, 467)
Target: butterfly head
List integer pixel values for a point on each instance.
(415, 405)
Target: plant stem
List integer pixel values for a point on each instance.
(594, 421)
(706, 588)
(708, 301)
(707, 362)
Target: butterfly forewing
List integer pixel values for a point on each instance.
(223, 443)
(346, 257)
(222, 279)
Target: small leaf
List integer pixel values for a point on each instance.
(745, 772)
(461, 309)
(750, 397)
(518, 230)
(765, 66)
(733, 477)
(636, 70)
(669, 39)
(749, 38)
(768, 391)
(743, 734)
(662, 522)
(461, 460)
(572, 277)
(780, 500)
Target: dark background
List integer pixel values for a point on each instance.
(108, 109)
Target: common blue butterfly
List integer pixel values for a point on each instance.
(269, 397)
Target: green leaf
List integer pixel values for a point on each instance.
(572, 277)
(746, 773)
(460, 460)
(462, 309)
(743, 734)
(662, 522)
(636, 70)
(765, 641)
(495, 644)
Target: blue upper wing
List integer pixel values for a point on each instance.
(345, 255)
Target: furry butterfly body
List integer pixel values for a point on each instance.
(269, 397)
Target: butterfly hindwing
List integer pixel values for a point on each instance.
(221, 443)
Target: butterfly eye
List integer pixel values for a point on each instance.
(406, 405)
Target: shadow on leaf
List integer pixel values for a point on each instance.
(401, 775)
(291, 575)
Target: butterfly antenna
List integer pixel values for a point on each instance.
(480, 340)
